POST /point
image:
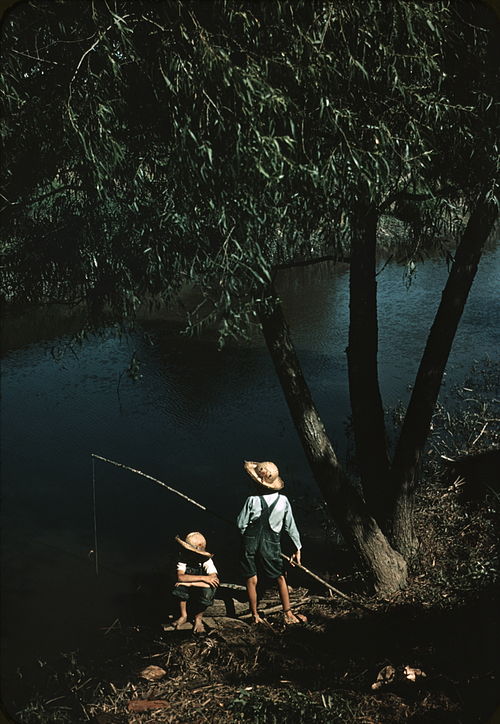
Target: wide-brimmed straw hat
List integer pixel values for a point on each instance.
(195, 543)
(265, 474)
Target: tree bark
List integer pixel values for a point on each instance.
(418, 416)
(366, 401)
(387, 567)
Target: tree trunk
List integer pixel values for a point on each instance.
(386, 566)
(418, 417)
(366, 402)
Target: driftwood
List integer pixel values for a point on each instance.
(147, 704)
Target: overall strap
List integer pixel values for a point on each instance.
(273, 505)
(266, 509)
(195, 569)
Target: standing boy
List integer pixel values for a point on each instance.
(260, 521)
(197, 579)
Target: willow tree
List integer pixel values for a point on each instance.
(150, 145)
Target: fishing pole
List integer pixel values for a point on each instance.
(225, 520)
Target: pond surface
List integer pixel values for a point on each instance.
(190, 420)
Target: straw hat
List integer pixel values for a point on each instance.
(265, 474)
(195, 543)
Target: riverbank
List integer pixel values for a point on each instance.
(320, 672)
(445, 626)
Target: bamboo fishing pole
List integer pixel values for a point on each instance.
(212, 512)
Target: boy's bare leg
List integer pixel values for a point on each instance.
(183, 617)
(198, 623)
(290, 617)
(252, 598)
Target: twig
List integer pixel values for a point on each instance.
(80, 686)
(274, 609)
(35, 57)
(330, 587)
(89, 50)
(117, 620)
(477, 438)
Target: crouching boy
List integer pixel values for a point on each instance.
(197, 579)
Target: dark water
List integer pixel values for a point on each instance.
(190, 420)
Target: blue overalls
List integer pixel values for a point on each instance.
(261, 545)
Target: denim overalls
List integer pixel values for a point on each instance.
(261, 545)
(202, 596)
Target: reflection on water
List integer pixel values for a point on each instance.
(190, 420)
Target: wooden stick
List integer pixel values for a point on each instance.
(149, 477)
(274, 609)
(327, 585)
(212, 512)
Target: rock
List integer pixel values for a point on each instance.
(227, 607)
(152, 673)
(183, 627)
(413, 674)
(401, 675)
(218, 608)
(226, 622)
(384, 676)
(210, 622)
(230, 629)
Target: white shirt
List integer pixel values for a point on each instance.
(208, 567)
(281, 516)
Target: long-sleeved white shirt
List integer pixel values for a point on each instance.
(281, 516)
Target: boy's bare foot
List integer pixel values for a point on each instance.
(178, 622)
(291, 618)
(198, 626)
(258, 619)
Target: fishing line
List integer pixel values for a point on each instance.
(96, 555)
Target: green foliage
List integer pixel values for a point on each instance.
(153, 145)
(458, 550)
(293, 706)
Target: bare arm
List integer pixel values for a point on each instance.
(211, 579)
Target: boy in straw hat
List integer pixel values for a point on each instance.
(261, 521)
(197, 579)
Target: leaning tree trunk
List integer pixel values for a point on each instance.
(418, 417)
(387, 567)
(366, 402)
